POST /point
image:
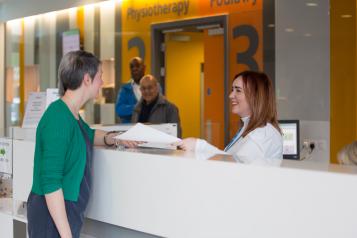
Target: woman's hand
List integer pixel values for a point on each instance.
(108, 139)
(188, 144)
(128, 143)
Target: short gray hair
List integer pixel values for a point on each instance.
(74, 65)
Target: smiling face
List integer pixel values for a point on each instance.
(149, 89)
(238, 99)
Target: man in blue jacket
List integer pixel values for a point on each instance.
(130, 93)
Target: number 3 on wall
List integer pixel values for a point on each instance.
(138, 43)
(246, 57)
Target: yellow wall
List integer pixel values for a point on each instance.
(137, 28)
(239, 13)
(183, 59)
(343, 76)
(214, 81)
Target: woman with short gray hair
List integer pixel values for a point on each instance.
(64, 150)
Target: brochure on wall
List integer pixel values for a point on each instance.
(52, 94)
(36, 105)
(70, 41)
(5, 156)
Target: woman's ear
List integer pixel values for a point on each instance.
(87, 80)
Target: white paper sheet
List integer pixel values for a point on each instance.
(36, 106)
(141, 132)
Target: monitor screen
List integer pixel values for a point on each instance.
(290, 130)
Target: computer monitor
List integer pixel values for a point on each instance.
(291, 137)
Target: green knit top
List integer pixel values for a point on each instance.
(60, 152)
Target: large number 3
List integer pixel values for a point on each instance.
(246, 57)
(139, 43)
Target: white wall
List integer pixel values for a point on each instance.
(11, 9)
(318, 132)
(303, 67)
(303, 62)
(6, 224)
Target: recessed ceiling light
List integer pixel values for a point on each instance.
(346, 16)
(271, 25)
(172, 30)
(289, 30)
(207, 26)
(311, 4)
(307, 35)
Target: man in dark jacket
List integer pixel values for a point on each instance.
(153, 107)
(130, 93)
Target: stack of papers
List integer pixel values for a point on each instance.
(152, 137)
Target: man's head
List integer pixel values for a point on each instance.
(137, 69)
(149, 88)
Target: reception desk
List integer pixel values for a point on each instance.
(170, 193)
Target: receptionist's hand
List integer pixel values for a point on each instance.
(188, 144)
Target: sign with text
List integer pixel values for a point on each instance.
(245, 28)
(70, 41)
(5, 156)
(244, 45)
(36, 105)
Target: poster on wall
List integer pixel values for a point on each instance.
(70, 41)
(5, 156)
(35, 107)
(37, 104)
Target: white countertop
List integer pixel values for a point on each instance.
(6, 205)
(171, 194)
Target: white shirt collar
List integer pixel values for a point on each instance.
(245, 120)
(136, 89)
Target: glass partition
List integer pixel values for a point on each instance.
(193, 48)
(116, 32)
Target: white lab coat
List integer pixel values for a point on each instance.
(263, 145)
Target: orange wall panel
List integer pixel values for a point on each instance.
(343, 89)
(214, 88)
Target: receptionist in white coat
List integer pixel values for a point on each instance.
(259, 139)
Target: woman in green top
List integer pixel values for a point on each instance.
(63, 153)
